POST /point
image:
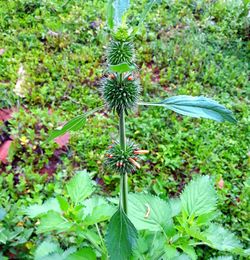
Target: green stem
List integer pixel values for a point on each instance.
(124, 177)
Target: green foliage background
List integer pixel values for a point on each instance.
(185, 47)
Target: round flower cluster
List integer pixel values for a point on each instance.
(123, 161)
(120, 93)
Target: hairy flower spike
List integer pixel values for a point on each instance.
(120, 93)
(122, 161)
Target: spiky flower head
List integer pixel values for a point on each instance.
(120, 51)
(122, 161)
(120, 93)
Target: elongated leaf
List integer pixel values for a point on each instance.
(80, 187)
(120, 7)
(196, 107)
(121, 236)
(146, 10)
(148, 212)
(53, 221)
(2, 213)
(198, 197)
(121, 68)
(221, 238)
(110, 14)
(73, 125)
(36, 210)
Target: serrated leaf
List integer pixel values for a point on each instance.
(80, 187)
(122, 67)
(189, 250)
(222, 239)
(73, 125)
(175, 205)
(96, 210)
(148, 212)
(207, 218)
(46, 248)
(199, 197)
(82, 254)
(121, 236)
(36, 210)
(53, 221)
(196, 107)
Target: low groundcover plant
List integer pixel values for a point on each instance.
(141, 226)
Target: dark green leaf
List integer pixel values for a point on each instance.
(121, 68)
(73, 125)
(121, 236)
(196, 107)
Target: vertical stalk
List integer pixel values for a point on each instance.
(124, 177)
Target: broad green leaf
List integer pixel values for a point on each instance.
(80, 187)
(148, 212)
(196, 107)
(110, 14)
(221, 238)
(199, 197)
(53, 221)
(121, 236)
(73, 125)
(82, 254)
(46, 248)
(2, 213)
(207, 218)
(122, 67)
(36, 210)
(96, 210)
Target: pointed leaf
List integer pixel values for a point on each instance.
(2, 214)
(46, 248)
(121, 236)
(110, 14)
(53, 221)
(120, 7)
(122, 67)
(148, 212)
(199, 197)
(146, 10)
(196, 107)
(80, 187)
(73, 125)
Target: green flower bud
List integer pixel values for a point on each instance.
(120, 52)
